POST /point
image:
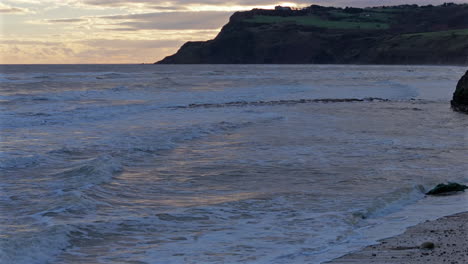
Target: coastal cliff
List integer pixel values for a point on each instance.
(460, 97)
(405, 34)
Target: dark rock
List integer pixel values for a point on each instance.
(427, 245)
(460, 96)
(168, 217)
(283, 102)
(448, 188)
(403, 248)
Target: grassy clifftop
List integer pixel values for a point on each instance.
(406, 34)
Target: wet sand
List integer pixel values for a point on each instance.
(448, 234)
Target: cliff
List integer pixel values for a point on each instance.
(405, 34)
(460, 97)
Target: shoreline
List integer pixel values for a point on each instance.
(449, 234)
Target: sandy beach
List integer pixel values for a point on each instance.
(449, 236)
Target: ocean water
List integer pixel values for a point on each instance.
(221, 164)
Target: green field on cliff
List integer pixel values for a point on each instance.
(344, 23)
(370, 18)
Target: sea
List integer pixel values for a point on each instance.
(222, 163)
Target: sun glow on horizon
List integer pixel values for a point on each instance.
(234, 8)
(290, 4)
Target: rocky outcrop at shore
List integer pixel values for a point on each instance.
(460, 97)
(449, 188)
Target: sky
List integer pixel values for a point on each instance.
(125, 31)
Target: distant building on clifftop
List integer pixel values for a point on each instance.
(282, 8)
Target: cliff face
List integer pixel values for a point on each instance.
(392, 35)
(460, 97)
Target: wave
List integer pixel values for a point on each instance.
(42, 239)
(391, 202)
(42, 77)
(88, 173)
(148, 142)
(152, 143)
(38, 236)
(21, 162)
(34, 245)
(110, 75)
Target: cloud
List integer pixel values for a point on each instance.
(66, 20)
(169, 20)
(86, 51)
(125, 50)
(6, 9)
(167, 8)
(133, 44)
(249, 3)
(179, 5)
(174, 2)
(28, 42)
(204, 5)
(366, 3)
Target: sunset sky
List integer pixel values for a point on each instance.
(123, 31)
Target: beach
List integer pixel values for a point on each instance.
(444, 240)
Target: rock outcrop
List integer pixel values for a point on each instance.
(460, 97)
(451, 187)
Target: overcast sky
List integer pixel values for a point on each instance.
(124, 31)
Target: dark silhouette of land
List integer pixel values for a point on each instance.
(405, 34)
